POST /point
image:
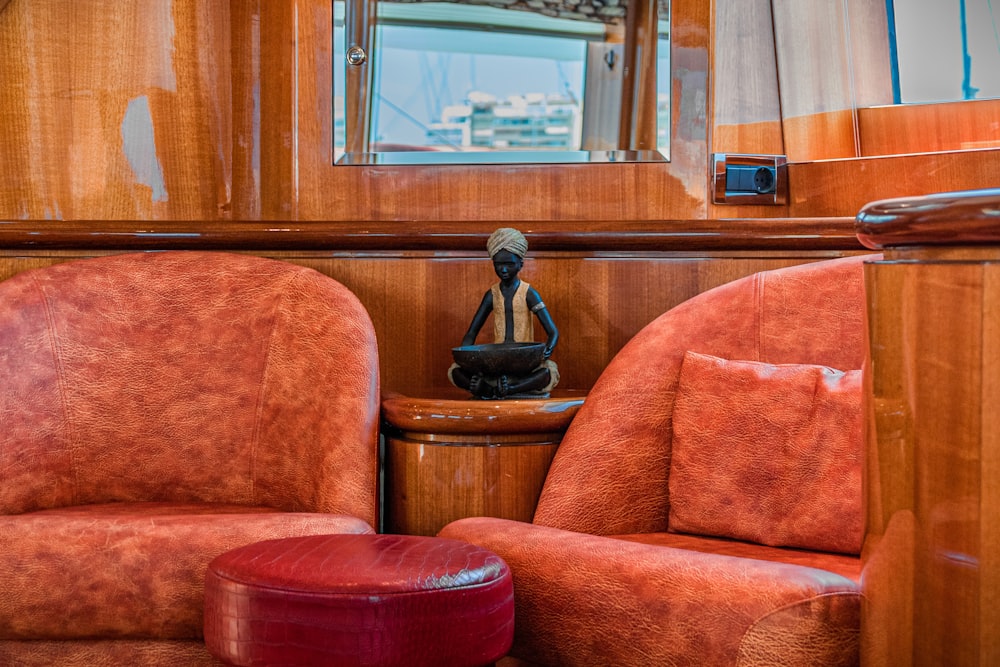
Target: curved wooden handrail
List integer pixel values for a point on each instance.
(668, 235)
(969, 217)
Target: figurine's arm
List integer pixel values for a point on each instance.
(537, 306)
(479, 319)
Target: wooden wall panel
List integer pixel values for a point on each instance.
(813, 53)
(845, 186)
(868, 41)
(746, 109)
(114, 109)
(821, 136)
(311, 188)
(244, 203)
(421, 302)
(923, 128)
(212, 110)
(933, 537)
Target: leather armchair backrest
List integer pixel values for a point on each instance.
(186, 376)
(610, 473)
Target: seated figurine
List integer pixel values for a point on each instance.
(512, 303)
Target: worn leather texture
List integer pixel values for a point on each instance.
(127, 570)
(768, 453)
(107, 653)
(609, 475)
(186, 376)
(187, 379)
(596, 600)
(654, 596)
(352, 600)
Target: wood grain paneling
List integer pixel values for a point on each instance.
(932, 539)
(115, 109)
(932, 544)
(647, 191)
(821, 136)
(763, 138)
(429, 485)
(208, 110)
(244, 202)
(422, 305)
(421, 302)
(925, 128)
(746, 108)
(819, 188)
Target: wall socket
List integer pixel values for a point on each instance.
(749, 179)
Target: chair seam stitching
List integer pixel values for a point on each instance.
(57, 357)
(265, 367)
(759, 289)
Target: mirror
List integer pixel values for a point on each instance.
(511, 81)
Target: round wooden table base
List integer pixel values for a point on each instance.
(447, 459)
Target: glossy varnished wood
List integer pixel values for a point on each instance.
(484, 192)
(453, 414)
(115, 109)
(448, 458)
(746, 109)
(819, 188)
(932, 545)
(765, 234)
(421, 302)
(226, 107)
(948, 219)
(924, 128)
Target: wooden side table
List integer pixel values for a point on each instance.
(447, 458)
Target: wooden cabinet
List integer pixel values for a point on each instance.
(449, 458)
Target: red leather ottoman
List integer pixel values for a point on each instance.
(359, 600)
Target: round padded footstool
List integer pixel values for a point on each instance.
(359, 600)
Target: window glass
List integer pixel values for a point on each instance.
(946, 50)
(452, 89)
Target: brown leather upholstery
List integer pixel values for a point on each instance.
(601, 578)
(156, 410)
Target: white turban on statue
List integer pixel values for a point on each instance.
(507, 238)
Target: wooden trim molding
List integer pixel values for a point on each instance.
(765, 234)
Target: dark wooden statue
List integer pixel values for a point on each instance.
(512, 303)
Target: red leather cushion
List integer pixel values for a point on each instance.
(768, 453)
(359, 600)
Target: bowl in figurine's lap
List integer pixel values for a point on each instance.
(496, 359)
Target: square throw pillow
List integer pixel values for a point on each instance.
(767, 453)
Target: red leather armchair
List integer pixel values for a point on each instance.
(156, 410)
(704, 507)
